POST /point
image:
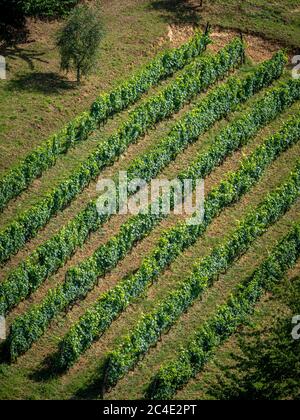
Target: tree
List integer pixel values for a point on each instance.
(79, 40)
(13, 24)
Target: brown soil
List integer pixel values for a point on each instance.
(258, 49)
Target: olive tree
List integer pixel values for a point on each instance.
(79, 40)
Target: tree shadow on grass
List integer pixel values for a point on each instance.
(179, 11)
(92, 389)
(17, 53)
(47, 83)
(4, 355)
(34, 81)
(46, 370)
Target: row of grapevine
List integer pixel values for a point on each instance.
(29, 327)
(55, 252)
(98, 318)
(204, 342)
(150, 327)
(196, 78)
(107, 105)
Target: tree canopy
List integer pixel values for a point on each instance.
(79, 40)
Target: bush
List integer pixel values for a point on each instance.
(12, 22)
(46, 8)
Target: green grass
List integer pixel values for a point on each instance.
(273, 19)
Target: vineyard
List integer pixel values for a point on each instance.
(134, 306)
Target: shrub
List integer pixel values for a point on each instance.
(46, 8)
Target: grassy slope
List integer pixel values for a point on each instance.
(29, 114)
(274, 19)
